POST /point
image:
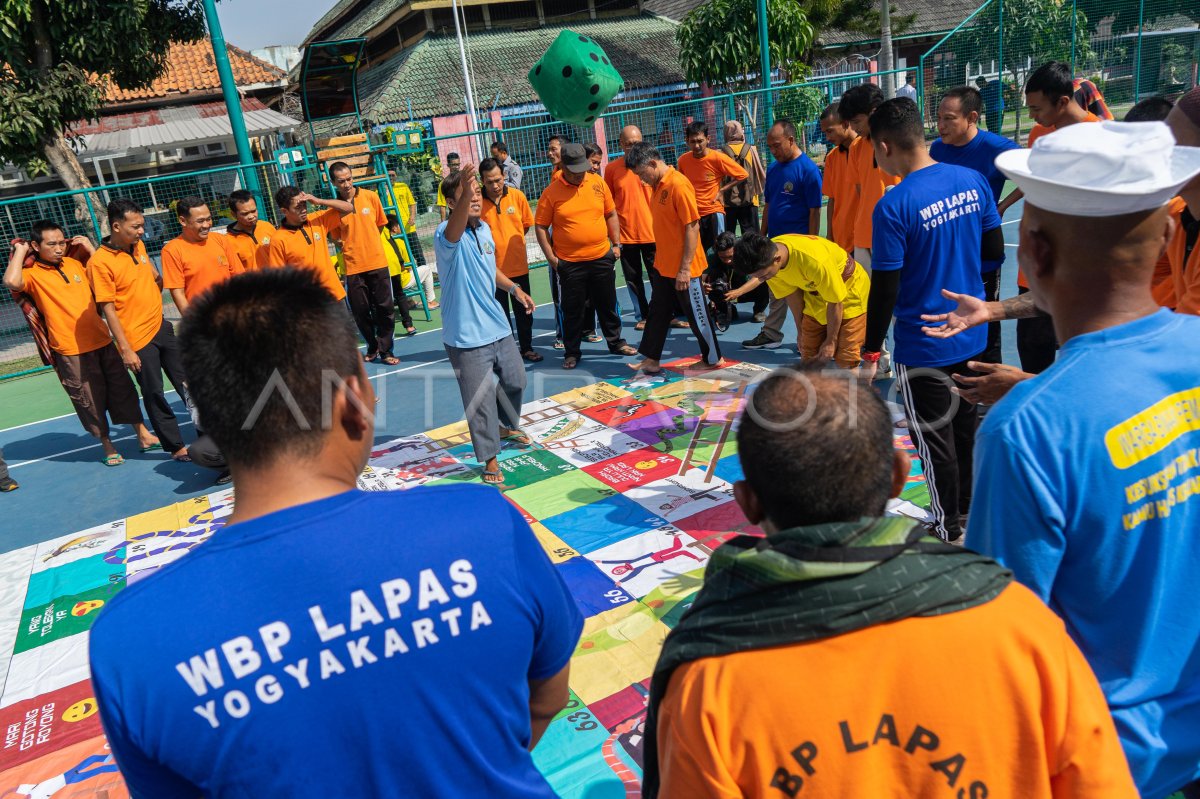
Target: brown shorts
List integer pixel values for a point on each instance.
(851, 337)
(98, 384)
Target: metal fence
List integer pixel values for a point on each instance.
(1130, 49)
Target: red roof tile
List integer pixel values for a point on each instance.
(191, 69)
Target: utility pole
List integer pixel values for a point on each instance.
(233, 101)
(462, 53)
(885, 50)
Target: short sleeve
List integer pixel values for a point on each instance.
(1015, 516)
(830, 176)
(888, 238)
(172, 268)
(812, 183)
(328, 220)
(1090, 761)
(526, 213)
(231, 255)
(609, 204)
(689, 745)
(144, 778)
(559, 621)
(441, 198)
(731, 167)
(377, 205)
(991, 217)
(545, 209)
(685, 205)
(103, 285)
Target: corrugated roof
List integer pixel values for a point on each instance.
(643, 50)
(191, 69)
(197, 130)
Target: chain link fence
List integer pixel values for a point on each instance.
(1129, 49)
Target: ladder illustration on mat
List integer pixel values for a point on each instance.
(727, 407)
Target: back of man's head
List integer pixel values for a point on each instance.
(260, 395)
(861, 99)
(1151, 109)
(1053, 79)
(898, 122)
(816, 448)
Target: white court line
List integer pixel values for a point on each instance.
(188, 422)
(1011, 222)
(1014, 246)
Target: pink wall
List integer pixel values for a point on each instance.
(465, 146)
(601, 138)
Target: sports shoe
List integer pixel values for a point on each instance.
(761, 342)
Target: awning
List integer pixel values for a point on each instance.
(182, 133)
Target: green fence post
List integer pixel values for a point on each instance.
(233, 103)
(1000, 58)
(1073, 14)
(764, 60)
(1137, 64)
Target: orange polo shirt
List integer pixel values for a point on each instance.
(861, 715)
(870, 183)
(837, 183)
(632, 198)
(1185, 276)
(358, 233)
(577, 215)
(509, 218)
(673, 207)
(706, 174)
(64, 296)
(1041, 130)
(129, 281)
(251, 250)
(307, 247)
(195, 267)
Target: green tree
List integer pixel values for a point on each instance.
(1034, 31)
(58, 58)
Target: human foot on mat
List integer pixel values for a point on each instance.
(517, 436)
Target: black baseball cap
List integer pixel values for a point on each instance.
(574, 158)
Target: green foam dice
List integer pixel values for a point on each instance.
(575, 80)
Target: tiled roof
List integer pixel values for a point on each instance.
(429, 75)
(371, 16)
(330, 16)
(191, 69)
(931, 17)
(671, 9)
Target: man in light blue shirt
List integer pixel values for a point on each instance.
(1087, 477)
(475, 329)
(512, 172)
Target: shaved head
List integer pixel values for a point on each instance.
(630, 134)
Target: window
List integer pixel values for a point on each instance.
(190, 152)
(214, 148)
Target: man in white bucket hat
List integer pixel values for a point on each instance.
(1088, 475)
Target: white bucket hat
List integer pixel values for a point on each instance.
(1102, 168)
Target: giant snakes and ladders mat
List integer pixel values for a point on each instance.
(628, 487)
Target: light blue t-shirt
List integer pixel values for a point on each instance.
(471, 317)
(978, 154)
(930, 225)
(792, 189)
(1087, 486)
(368, 644)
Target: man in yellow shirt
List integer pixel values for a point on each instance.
(824, 286)
(802, 667)
(453, 164)
(406, 204)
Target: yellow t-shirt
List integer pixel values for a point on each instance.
(404, 201)
(815, 266)
(992, 701)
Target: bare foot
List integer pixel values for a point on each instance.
(648, 366)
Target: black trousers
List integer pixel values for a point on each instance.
(400, 302)
(578, 283)
(991, 293)
(370, 295)
(942, 427)
(710, 227)
(663, 300)
(524, 321)
(204, 452)
(633, 258)
(589, 313)
(741, 219)
(1036, 343)
(162, 355)
(414, 243)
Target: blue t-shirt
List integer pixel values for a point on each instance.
(930, 225)
(793, 188)
(978, 154)
(1087, 486)
(368, 644)
(471, 317)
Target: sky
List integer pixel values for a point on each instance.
(250, 24)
